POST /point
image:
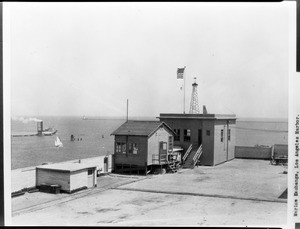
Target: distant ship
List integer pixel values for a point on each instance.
(58, 142)
(84, 118)
(49, 132)
(40, 131)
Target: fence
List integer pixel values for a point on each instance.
(253, 152)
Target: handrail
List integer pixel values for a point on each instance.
(155, 156)
(187, 153)
(197, 155)
(198, 150)
(159, 158)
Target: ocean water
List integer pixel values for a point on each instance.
(251, 132)
(96, 138)
(35, 150)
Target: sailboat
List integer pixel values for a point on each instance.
(58, 142)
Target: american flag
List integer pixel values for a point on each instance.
(180, 72)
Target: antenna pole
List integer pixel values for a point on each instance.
(127, 112)
(184, 92)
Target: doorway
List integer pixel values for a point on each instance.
(162, 152)
(106, 164)
(199, 137)
(90, 178)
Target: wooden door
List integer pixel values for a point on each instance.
(199, 137)
(162, 152)
(225, 143)
(90, 178)
(105, 164)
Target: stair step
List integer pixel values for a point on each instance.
(189, 162)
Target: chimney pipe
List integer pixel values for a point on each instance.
(40, 127)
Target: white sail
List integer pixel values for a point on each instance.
(58, 142)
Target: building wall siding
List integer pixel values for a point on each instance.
(191, 124)
(214, 151)
(194, 125)
(78, 179)
(140, 158)
(220, 148)
(224, 151)
(207, 157)
(231, 143)
(153, 143)
(53, 177)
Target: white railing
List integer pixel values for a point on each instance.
(155, 158)
(187, 153)
(197, 155)
(198, 151)
(159, 159)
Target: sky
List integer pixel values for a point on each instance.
(89, 58)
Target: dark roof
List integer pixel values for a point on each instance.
(140, 128)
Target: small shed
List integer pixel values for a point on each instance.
(70, 176)
(215, 133)
(141, 145)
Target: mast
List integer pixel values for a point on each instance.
(127, 112)
(184, 91)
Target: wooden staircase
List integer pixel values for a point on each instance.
(173, 166)
(192, 158)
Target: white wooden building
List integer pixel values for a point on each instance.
(70, 176)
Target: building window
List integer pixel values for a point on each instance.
(118, 147)
(164, 146)
(90, 171)
(170, 143)
(177, 136)
(229, 134)
(121, 147)
(124, 148)
(135, 148)
(187, 135)
(222, 135)
(208, 132)
(130, 147)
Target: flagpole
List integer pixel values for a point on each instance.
(127, 112)
(184, 91)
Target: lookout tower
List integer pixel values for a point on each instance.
(194, 107)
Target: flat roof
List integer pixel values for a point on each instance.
(67, 166)
(197, 116)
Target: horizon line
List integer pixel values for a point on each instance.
(135, 116)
